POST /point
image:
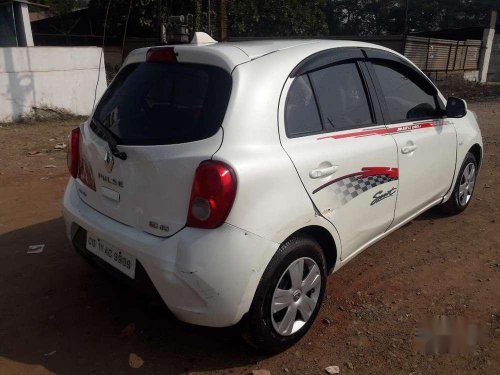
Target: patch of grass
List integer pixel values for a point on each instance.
(45, 114)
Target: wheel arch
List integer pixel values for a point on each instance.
(324, 239)
(477, 151)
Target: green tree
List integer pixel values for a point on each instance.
(375, 17)
(143, 15)
(276, 18)
(365, 17)
(261, 18)
(449, 14)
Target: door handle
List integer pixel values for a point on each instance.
(323, 172)
(408, 149)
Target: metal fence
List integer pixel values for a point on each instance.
(442, 55)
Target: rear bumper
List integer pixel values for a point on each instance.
(205, 277)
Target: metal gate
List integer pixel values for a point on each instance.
(442, 55)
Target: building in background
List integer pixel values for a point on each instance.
(40, 78)
(473, 50)
(15, 22)
(83, 27)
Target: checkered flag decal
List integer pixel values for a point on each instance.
(350, 187)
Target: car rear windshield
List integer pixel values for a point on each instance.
(159, 103)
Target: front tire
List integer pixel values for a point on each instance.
(288, 297)
(464, 187)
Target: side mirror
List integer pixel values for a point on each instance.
(456, 108)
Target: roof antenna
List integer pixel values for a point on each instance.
(202, 38)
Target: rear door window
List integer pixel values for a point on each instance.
(158, 103)
(342, 97)
(301, 113)
(407, 97)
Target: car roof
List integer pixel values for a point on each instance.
(228, 55)
(258, 48)
(255, 49)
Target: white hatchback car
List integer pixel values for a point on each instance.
(234, 177)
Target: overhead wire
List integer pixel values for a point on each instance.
(126, 28)
(101, 54)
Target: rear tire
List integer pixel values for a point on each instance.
(464, 187)
(293, 286)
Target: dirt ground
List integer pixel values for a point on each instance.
(470, 91)
(58, 315)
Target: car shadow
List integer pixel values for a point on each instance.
(434, 213)
(60, 313)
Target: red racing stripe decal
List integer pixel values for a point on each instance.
(357, 134)
(381, 131)
(374, 171)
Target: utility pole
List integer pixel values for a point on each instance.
(487, 47)
(223, 21)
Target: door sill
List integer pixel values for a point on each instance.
(387, 232)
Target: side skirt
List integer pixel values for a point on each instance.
(341, 263)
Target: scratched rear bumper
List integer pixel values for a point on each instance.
(205, 277)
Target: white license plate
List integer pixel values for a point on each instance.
(119, 259)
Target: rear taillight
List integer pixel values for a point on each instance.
(85, 173)
(212, 195)
(78, 165)
(161, 55)
(73, 152)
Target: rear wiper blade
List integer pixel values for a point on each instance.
(110, 138)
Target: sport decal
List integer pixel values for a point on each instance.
(384, 130)
(380, 195)
(350, 186)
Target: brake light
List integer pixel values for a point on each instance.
(85, 173)
(78, 166)
(212, 195)
(73, 152)
(161, 55)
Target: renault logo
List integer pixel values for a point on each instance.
(109, 161)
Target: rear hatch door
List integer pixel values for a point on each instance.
(167, 119)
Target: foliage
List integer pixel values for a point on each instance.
(292, 17)
(374, 17)
(447, 14)
(143, 15)
(353, 17)
(276, 18)
(365, 17)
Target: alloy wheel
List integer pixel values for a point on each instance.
(296, 296)
(467, 182)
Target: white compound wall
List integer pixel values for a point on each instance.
(49, 77)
